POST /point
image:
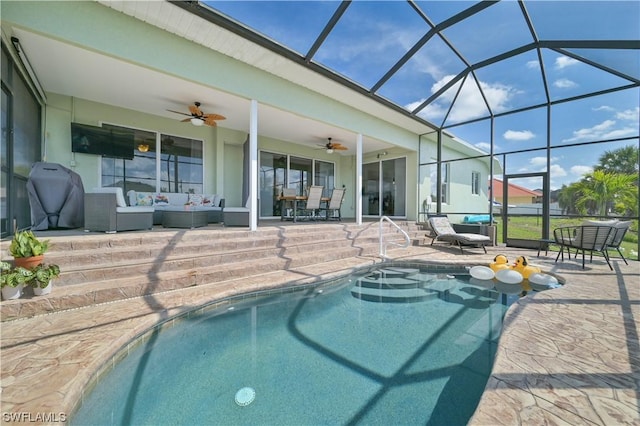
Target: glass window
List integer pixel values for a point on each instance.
(137, 174)
(475, 183)
(445, 182)
(180, 164)
(324, 176)
(299, 176)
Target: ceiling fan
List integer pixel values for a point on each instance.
(333, 146)
(198, 118)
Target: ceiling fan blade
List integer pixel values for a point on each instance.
(339, 147)
(195, 111)
(214, 117)
(185, 120)
(210, 122)
(178, 112)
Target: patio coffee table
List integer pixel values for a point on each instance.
(184, 218)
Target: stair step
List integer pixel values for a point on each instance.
(99, 268)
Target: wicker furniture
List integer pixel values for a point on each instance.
(188, 219)
(106, 211)
(236, 216)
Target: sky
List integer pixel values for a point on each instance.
(371, 36)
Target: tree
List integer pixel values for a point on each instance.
(567, 197)
(622, 160)
(600, 190)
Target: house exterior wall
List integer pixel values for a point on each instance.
(102, 30)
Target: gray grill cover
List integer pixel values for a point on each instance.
(56, 197)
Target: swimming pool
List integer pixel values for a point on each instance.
(400, 344)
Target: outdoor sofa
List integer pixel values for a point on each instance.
(163, 201)
(105, 210)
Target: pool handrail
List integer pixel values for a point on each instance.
(383, 246)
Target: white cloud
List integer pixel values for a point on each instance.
(564, 83)
(581, 170)
(538, 161)
(485, 146)
(469, 103)
(604, 108)
(565, 61)
(518, 135)
(592, 133)
(557, 171)
(629, 114)
(620, 133)
(533, 64)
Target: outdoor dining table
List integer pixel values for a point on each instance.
(285, 199)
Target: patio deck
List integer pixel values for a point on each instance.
(570, 355)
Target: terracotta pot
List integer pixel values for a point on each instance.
(28, 262)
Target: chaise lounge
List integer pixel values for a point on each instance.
(443, 231)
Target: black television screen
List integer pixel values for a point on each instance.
(115, 143)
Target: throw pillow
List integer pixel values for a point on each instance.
(195, 199)
(207, 200)
(161, 200)
(144, 199)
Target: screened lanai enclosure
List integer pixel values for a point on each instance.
(543, 97)
(516, 116)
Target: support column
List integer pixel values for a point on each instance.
(359, 179)
(253, 170)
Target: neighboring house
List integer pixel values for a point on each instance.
(516, 194)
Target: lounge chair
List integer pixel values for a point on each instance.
(443, 231)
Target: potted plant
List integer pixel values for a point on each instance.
(12, 279)
(41, 278)
(27, 250)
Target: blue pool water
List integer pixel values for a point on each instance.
(399, 345)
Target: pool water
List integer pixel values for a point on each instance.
(397, 345)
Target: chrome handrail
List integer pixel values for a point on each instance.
(383, 246)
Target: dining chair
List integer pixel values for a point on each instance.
(335, 203)
(312, 205)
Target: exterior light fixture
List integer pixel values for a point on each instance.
(197, 121)
(143, 147)
(383, 153)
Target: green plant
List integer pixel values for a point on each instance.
(13, 277)
(42, 274)
(26, 244)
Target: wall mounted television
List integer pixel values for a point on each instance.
(114, 143)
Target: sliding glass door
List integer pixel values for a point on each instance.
(384, 188)
(278, 171)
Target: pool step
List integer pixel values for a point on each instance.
(402, 286)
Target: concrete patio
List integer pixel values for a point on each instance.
(566, 356)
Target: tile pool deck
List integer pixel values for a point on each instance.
(566, 356)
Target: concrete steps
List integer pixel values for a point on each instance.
(99, 268)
